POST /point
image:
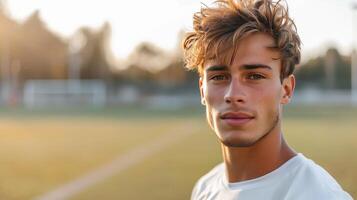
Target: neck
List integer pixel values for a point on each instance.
(244, 163)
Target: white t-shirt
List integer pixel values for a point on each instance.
(297, 179)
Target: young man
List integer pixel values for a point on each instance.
(245, 52)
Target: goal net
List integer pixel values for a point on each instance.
(59, 93)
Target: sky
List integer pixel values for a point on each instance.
(320, 23)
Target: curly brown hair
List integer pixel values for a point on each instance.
(218, 29)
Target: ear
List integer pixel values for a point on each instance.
(200, 82)
(288, 87)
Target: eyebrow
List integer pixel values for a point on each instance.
(255, 66)
(243, 67)
(217, 68)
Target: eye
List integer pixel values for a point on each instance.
(255, 76)
(219, 77)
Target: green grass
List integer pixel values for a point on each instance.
(40, 150)
(170, 174)
(39, 154)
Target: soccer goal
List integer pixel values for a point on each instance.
(60, 93)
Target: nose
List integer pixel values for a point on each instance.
(235, 93)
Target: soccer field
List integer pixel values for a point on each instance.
(41, 151)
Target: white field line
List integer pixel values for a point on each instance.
(119, 164)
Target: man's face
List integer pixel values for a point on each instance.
(244, 100)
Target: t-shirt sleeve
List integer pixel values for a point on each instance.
(194, 192)
(201, 184)
(197, 189)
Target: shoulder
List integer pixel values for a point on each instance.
(314, 182)
(208, 180)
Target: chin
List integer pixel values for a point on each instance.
(237, 139)
(238, 143)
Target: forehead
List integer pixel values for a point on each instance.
(258, 48)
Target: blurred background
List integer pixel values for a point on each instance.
(95, 101)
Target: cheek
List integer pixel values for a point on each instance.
(209, 117)
(214, 99)
(213, 96)
(269, 98)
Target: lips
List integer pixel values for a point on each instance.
(236, 118)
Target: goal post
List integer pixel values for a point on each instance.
(61, 93)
